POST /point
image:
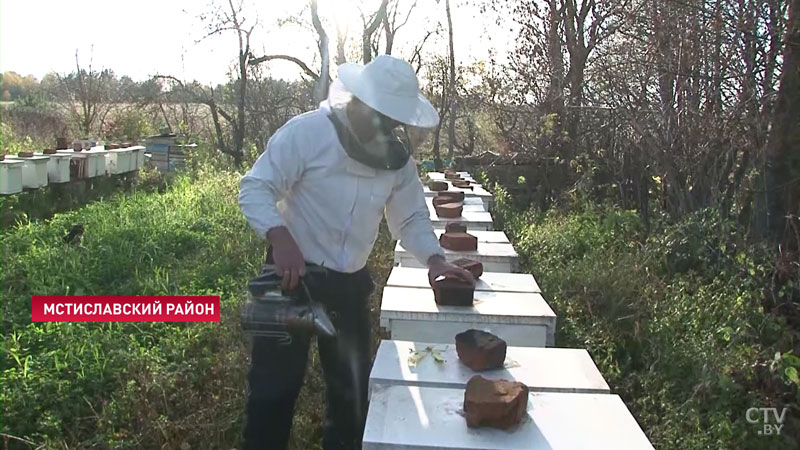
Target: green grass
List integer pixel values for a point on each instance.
(674, 319)
(140, 385)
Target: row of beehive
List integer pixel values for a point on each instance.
(417, 383)
(39, 170)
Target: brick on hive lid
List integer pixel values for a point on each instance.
(451, 291)
(494, 403)
(438, 201)
(436, 185)
(459, 242)
(473, 266)
(456, 196)
(455, 227)
(480, 350)
(449, 210)
(463, 184)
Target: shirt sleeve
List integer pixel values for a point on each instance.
(270, 179)
(408, 216)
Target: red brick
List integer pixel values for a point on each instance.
(456, 196)
(455, 227)
(450, 291)
(474, 267)
(435, 185)
(480, 350)
(437, 201)
(458, 242)
(449, 210)
(497, 404)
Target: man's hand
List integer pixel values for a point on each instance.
(289, 260)
(438, 266)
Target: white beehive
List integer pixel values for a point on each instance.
(137, 158)
(119, 160)
(79, 163)
(416, 418)
(520, 318)
(475, 220)
(10, 176)
(96, 162)
(34, 170)
(541, 369)
(58, 168)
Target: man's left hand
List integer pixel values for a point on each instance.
(438, 266)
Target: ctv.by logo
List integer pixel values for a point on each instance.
(773, 422)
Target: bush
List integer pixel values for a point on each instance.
(674, 320)
(129, 125)
(34, 124)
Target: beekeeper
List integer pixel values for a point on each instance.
(318, 194)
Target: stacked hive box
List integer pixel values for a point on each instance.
(417, 382)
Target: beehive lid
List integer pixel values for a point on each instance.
(432, 418)
(54, 155)
(541, 369)
(35, 158)
(495, 237)
(466, 216)
(414, 277)
(521, 308)
(486, 251)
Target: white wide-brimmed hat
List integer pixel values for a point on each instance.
(389, 86)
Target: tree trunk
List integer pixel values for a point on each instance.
(366, 39)
(451, 131)
(555, 91)
(321, 85)
(238, 126)
(782, 176)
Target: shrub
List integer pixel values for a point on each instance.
(674, 320)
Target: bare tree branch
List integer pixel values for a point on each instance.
(307, 70)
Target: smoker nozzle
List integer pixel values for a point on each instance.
(322, 323)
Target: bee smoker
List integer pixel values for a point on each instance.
(270, 312)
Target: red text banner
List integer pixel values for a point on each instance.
(125, 309)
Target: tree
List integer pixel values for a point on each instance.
(87, 95)
(783, 147)
(223, 19)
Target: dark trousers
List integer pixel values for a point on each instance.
(276, 371)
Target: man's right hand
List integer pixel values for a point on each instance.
(288, 259)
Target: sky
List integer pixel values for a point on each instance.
(146, 37)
